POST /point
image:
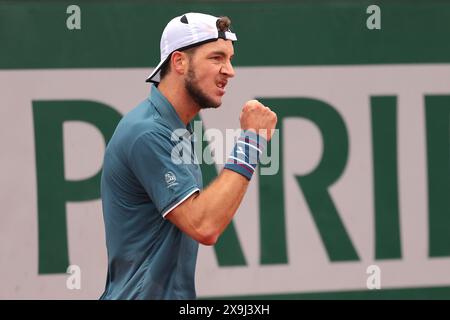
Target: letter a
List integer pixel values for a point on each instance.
(374, 280)
(74, 280)
(74, 20)
(374, 21)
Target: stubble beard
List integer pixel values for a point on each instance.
(196, 93)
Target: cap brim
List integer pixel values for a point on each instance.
(154, 76)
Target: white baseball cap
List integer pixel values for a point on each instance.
(187, 31)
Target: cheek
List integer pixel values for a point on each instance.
(206, 80)
(208, 73)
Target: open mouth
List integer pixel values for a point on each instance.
(221, 84)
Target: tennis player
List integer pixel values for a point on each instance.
(155, 209)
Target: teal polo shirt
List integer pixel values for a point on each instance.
(142, 181)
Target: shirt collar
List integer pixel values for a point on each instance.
(166, 110)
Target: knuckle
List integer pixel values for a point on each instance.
(252, 102)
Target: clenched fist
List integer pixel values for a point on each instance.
(259, 118)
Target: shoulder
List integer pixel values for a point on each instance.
(144, 122)
(158, 134)
(155, 140)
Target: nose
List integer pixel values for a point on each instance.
(227, 69)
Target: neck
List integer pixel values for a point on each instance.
(180, 99)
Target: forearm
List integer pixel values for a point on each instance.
(216, 205)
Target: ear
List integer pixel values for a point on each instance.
(179, 62)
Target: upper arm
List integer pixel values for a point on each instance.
(166, 182)
(189, 221)
(185, 219)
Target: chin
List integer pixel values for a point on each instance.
(214, 103)
(217, 104)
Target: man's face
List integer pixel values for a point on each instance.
(208, 73)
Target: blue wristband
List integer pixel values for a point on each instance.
(246, 153)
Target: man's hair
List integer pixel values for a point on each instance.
(223, 24)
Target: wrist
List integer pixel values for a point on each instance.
(246, 153)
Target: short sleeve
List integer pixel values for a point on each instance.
(167, 182)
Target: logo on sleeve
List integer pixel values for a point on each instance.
(171, 179)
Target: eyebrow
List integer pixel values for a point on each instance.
(220, 53)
